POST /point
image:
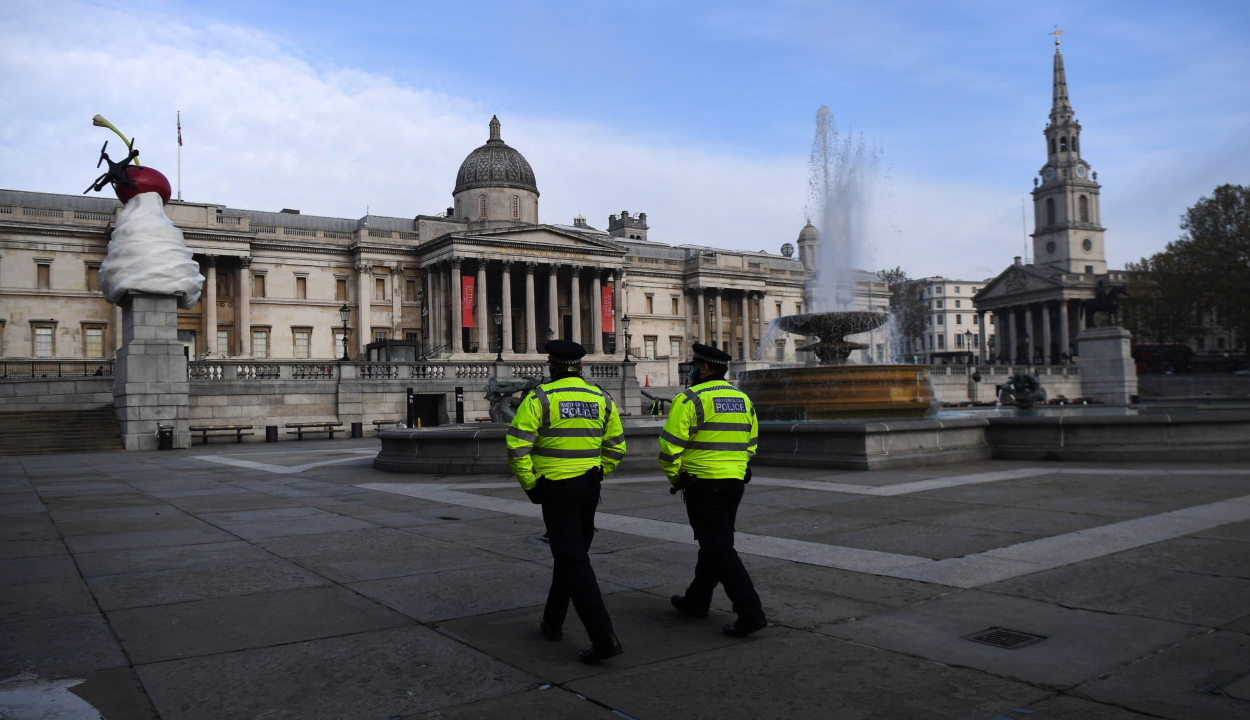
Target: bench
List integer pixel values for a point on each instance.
(483, 418)
(377, 424)
(314, 427)
(204, 431)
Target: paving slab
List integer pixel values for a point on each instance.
(226, 502)
(33, 601)
(30, 548)
(441, 596)
(69, 645)
(509, 525)
(1188, 681)
(1237, 532)
(99, 502)
(796, 676)
(546, 702)
(15, 503)
(1079, 644)
(1108, 585)
(46, 568)
(119, 562)
(28, 526)
(926, 540)
(1201, 555)
(648, 627)
(1063, 707)
(208, 627)
(169, 520)
(299, 526)
(78, 489)
(116, 693)
(146, 539)
(114, 592)
(380, 674)
(1029, 521)
(1241, 625)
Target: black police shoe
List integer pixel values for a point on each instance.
(554, 634)
(601, 651)
(683, 605)
(742, 628)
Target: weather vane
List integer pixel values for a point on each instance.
(1056, 33)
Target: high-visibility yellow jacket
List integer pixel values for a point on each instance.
(562, 429)
(711, 432)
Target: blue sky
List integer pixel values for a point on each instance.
(700, 114)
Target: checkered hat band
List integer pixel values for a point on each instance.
(706, 359)
(563, 361)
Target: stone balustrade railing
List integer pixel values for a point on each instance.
(1005, 370)
(261, 370)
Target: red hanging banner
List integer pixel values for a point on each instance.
(466, 301)
(605, 308)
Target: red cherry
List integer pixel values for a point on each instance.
(145, 179)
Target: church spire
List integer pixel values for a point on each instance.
(1060, 109)
(494, 130)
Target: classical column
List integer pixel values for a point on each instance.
(702, 316)
(575, 302)
(505, 338)
(981, 331)
(243, 307)
(685, 340)
(397, 301)
(1029, 335)
(208, 299)
(1063, 327)
(759, 318)
(618, 297)
(434, 305)
(480, 297)
(1047, 359)
(453, 296)
(364, 315)
(720, 320)
(553, 300)
(1006, 348)
(531, 342)
(596, 309)
(746, 327)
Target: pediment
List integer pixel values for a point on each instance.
(540, 236)
(1016, 281)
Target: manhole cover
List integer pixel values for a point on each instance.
(1007, 639)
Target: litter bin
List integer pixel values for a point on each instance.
(271, 433)
(358, 430)
(164, 437)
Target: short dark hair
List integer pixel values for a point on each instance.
(563, 370)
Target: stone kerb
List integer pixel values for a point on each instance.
(150, 385)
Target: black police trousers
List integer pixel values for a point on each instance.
(569, 513)
(712, 506)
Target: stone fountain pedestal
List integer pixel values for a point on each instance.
(150, 384)
(1105, 358)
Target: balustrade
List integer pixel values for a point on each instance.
(17, 369)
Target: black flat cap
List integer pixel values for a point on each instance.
(564, 352)
(709, 354)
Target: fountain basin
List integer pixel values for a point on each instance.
(835, 392)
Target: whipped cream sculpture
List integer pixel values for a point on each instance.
(147, 253)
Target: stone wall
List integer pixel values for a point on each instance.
(1178, 386)
(56, 394)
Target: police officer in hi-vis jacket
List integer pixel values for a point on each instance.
(565, 436)
(710, 435)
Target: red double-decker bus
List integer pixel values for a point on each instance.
(1157, 359)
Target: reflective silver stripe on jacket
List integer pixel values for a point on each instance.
(700, 445)
(731, 426)
(614, 440)
(567, 454)
(545, 403)
(693, 398)
(522, 434)
(573, 432)
(613, 454)
(514, 453)
(672, 439)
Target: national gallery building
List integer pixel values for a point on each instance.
(487, 278)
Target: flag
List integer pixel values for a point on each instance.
(179, 128)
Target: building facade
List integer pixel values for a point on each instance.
(483, 279)
(953, 327)
(1039, 304)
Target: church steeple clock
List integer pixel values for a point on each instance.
(1068, 234)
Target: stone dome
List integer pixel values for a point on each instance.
(809, 233)
(495, 164)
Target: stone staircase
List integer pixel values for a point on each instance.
(59, 431)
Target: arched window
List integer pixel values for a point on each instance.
(516, 207)
(1076, 147)
(481, 207)
(1083, 204)
(1052, 146)
(1050, 211)
(1063, 143)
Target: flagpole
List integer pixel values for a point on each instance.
(179, 156)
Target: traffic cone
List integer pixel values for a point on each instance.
(648, 381)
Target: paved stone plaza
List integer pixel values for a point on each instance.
(295, 581)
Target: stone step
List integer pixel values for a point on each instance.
(46, 431)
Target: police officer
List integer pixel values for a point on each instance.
(710, 435)
(565, 436)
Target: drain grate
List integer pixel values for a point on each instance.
(1006, 639)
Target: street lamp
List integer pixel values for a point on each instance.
(345, 313)
(551, 334)
(625, 327)
(499, 331)
(968, 345)
(993, 358)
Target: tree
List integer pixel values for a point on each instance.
(908, 311)
(1205, 270)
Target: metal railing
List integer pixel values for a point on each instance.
(19, 369)
(1005, 370)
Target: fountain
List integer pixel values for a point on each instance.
(835, 390)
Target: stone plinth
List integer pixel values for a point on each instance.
(1104, 356)
(150, 378)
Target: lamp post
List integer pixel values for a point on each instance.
(345, 313)
(993, 357)
(968, 346)
(551, 334)
(1024, 343)
(498, 316)
(625, 327)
